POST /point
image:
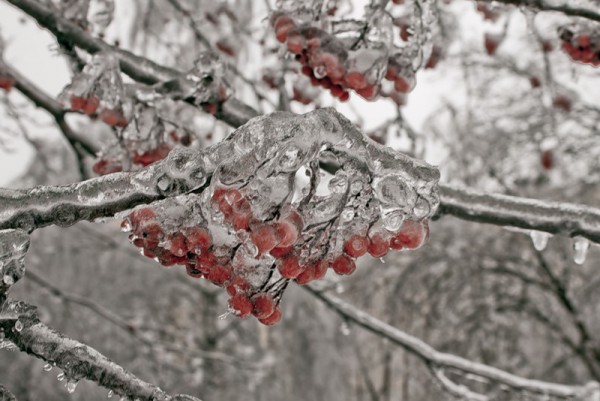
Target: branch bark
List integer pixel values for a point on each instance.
(77, 360)
(441, 360)
(544, 6)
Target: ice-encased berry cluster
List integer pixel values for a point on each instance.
(339, 64)
(264, 215)
(581, 43)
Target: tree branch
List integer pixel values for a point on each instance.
(544, 6)
(440, 360)
(6, 395)
(552, 217)
(77, 360)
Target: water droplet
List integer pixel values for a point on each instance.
(539, 239)
(60, 377)
(110, 394)
(392, 220)
(580, 249)
(421, 209)
(338, 184)
(347, 214)
(71, 386)
(18, 326)
(8, 279)
(391, 190)
(47, 367)
(345, 328)
(320, 71)
(290, 159)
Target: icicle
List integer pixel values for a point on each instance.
(18, 326)
(540, 239)
(580, 249)
(71, 385)
(345, 328)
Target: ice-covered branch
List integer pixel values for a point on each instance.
(553, 217)
(277, 144)
(565, 8)
(440, 360)
(51, 105)
(21, 326)
(139, 68)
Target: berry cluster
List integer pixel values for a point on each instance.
(328, 62)
(581, 46)
(264, 255)
(146, 140)
(90, 104)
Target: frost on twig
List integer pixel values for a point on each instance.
(20, 325)
(442, 363)
(13, 247)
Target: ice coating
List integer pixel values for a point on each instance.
(13, 247)
(260, 213)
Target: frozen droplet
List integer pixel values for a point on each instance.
(290, 159)
(110, 394)
(392, 190)
(347, 214)
(164, 184)
(339, 288)
(421, 209)
(345, 328)
(320, 71)
(338, 184)
(8, 279)
(580, 249)
(539, 239)
(71, 386)
(392, 220)
(18, 326)
(47, 367)
(61, 376)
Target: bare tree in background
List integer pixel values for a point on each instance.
(227, 140)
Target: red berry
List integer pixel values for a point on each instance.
(378, 245)
(356, 80)
(91, 105)
(114, 118)
(289, 267)
(547, 159)
(6, 83)
(320, 269)
(491, 43)
(219, 275)
(343, 265)
(206, 261)
(265, 238)
(77, 103)
(264, 305)
(411, 235)
(177, 245)
(282, 26)
(279, 252)
(198, 238)
(295, 43)
(273, 318)
(306, 276)
(241, 305)
(356, 246)
(237, 284)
